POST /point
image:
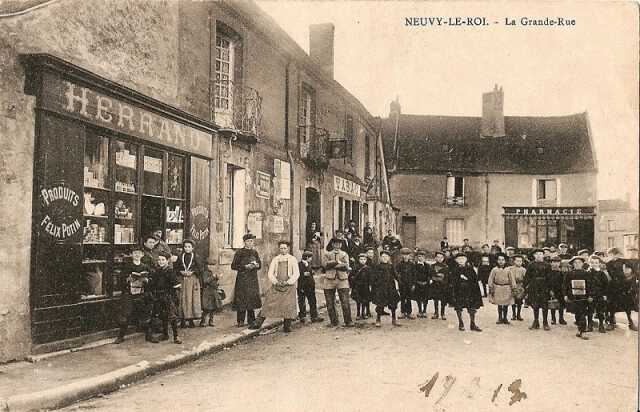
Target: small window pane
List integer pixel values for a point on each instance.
(126, 167)
(175, 184)
(153, 172)
(96, 162)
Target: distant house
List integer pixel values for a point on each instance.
(617, 226)
(523, 180)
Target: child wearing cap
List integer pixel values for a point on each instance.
(189, 270)
(624, 288)
(465, 292)
(406, 283)
(517, 273)
(537, 288)
(361, 291)
(422, 277)
(307, 289)
(383, 288)
(600, 279)
(556, 277)
(164, 286)
(439, 286)
(577, 289)
(136, 302)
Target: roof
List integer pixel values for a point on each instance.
(532, 145)
(614, 205)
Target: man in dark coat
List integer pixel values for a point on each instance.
(537, 288)
(577, 288)
(246, 298)
(307, 289)
(465, 292)
(624, 288)
(406, 283)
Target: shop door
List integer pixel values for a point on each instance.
(313, 211)
(409, 231)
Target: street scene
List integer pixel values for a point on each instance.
(354, 206)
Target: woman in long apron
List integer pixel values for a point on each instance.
(189, 270)
(280, 301)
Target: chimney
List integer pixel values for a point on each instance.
(492, 124)
(394, 107)
(321, 46)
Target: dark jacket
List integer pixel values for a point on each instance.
(247, 289)
(537, 284)
(439, 283)
(383, 286)
(406, 277)
(465, 293)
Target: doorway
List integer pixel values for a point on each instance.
(409, 231)
(313, 207)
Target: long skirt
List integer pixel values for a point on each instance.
(190, 299)
(316, 249)
(279, 303)
(502, 295)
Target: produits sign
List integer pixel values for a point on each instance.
(346, 186)
(59, 212)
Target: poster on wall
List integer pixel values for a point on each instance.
(254, 224)
(282, 178)
(278, 224)
(263, 185)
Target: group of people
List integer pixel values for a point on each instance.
(176, 290)
(180, 289)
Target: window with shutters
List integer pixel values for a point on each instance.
(547, 190)
(234, 206)
(455, 191)
(454, 231)
(224, 72)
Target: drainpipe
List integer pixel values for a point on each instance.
(486, 208)
(289, 154)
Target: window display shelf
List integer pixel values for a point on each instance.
(91, 261)
(96, 243)
(125, 243)
(121, 192)
(92, 297)
(96, 217)
(96, 188)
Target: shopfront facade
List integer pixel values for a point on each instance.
(111, 166)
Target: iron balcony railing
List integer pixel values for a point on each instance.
(237, 107)
(455, 201)
(314, 148)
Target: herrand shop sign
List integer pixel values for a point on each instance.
(87, 104)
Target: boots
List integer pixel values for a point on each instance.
(535, 325)
(257, 324)
(601, 328)
(500, 320)
(174, 328)
(545, 325)
(474, 327)
(120, 337)
(287, 326)
(148, 335)
(460, 322)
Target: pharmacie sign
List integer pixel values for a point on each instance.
(346, 186)
(89, 105)
(59, 205)
(549, 211)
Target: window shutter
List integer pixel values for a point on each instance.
(239, 215)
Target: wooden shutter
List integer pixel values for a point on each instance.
(199, 219)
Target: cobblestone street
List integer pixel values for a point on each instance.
(424, 365)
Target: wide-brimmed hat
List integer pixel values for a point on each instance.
(594, 256)
(385, 252)
(460, 254)
(421, 252)
(573, 259)
(405, 251)
(248, 236)
(307, 254)
(581, 251)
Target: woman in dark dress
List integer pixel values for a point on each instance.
(383, 288)
(465, 292)
(246, 297)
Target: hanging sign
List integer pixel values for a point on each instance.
(346, 186)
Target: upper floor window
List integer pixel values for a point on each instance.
(224, 72)
(307, 113)
(455, 190)
(611, 225)
(547, 189)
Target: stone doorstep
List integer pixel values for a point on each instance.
(67, 394)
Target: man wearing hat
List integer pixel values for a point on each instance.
(465, 292)
(556, 277)
(577, 293)
(246, 297)
(307, 289)
(537, 288)
(336, 279)
(406, 283)
(439, 285)
(563, 251)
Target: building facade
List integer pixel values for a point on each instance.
(617, 226)
(202, 119)
(524, 181)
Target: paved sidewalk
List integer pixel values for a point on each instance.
(57, 381)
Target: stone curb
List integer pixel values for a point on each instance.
(70, 393)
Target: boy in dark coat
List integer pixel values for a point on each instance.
(537, 288)
(439, 286)
(465, 292)
(307, 289)
(556, 277)
(136, 302)
(624, 288)
(422, 278)
(163, 286)
(484, 269)
(600, 280)
(383, 288)
(361, 291)
(577, 293)
(406, 283)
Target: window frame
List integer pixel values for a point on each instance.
(222, 36)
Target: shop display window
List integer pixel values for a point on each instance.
(153, 171)
(126, 167)
(96, 162)
(175, 180)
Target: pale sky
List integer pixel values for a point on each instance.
(592, 66)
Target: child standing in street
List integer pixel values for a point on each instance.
(361, 286)
(211, 301)
(383, 288)
(422, 278)
(439, 286)
(406, 283)
(136, 301)
(557, 277)
(189, 269)
(307, 289)
(164, 286)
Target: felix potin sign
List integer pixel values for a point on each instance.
(59, 206)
